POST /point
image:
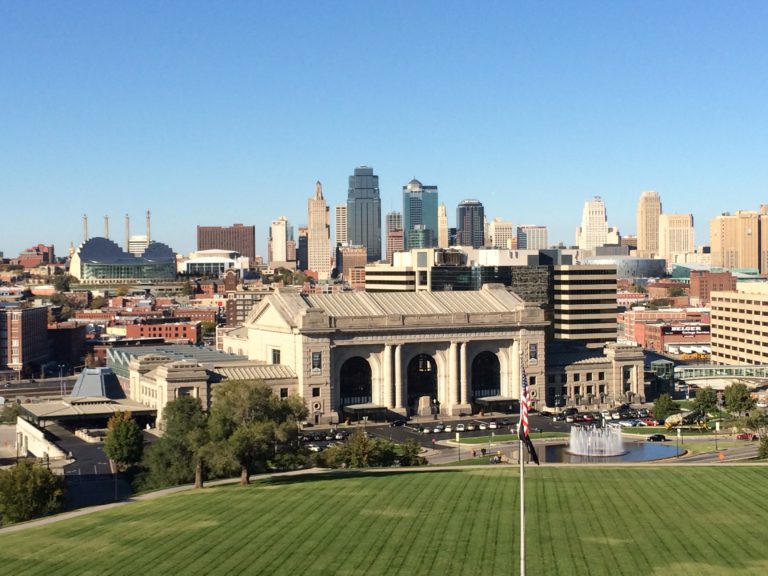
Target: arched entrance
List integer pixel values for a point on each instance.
(486, 376)
(355, 382)
(422, 381)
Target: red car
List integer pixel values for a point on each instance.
(747, 436)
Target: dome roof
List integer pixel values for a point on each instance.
(414, 185)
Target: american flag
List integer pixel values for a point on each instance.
(523, 430)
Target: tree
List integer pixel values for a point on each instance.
(410, 454)
(675, 291)
(10, 412)
(250, 422)
(208, 328)
(98, 302)
(706, 400)
(61, 283)
(664, 406)
(738, 399)
(124, 444)
(762, 452)
(28, 490)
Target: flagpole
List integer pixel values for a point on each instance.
(522, 510)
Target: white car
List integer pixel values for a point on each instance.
(493, 425)
(482, 426)
(460, 428)
(470, 427)
(448, 428)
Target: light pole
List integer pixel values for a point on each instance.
(62, 388)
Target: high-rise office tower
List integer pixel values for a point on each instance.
(593, 231)
(648, 212)
(500, 232)
(394, 244)
(419, 209)
(675, 237)
(394, 221)
(443, 239)
(736, 240)
(278, 241)
(319, 235)
(302, 250)
(586, 303)
(470, 224)
(364, 212)
(340, 230)
(237, 237)
(530, 237)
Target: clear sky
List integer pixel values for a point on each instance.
(220, 112)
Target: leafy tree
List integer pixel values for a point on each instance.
(410, 454)
(28, 490)
(124, 444)
(675, 291)
(208, 328)
(187, 289)
(664, 406)
(61, 283)
(706, 400)
(250, 421)
(738, 399)
(10, 412)
(121, 291)
(762, 452)
(98, 302)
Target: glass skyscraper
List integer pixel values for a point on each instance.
(470, 224)
(364, 212)
(419, 210)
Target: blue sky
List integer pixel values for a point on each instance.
(214, 113)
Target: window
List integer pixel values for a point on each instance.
(275, 356)
(283, 392)
(601, 375)
(531, 380)
(317, 361)
(576, 377)
(533, 351)
(589, 376)
(315, 392)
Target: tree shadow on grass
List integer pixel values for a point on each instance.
(348, 473)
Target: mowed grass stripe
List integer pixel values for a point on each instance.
(634, 520)
(722, 511)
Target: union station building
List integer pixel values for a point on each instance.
(354, 355)
(422, 353)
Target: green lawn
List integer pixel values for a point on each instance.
(510, 437)
(654, 520)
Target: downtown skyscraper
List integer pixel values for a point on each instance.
(319, 235)
(419, 213)
(364, 212)
(470, 224)
(648, 213)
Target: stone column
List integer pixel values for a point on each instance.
(453, 376)
(515, 362)
(387, 375)
(464, 374)
(399, 376)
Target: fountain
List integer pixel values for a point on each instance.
(595, 441)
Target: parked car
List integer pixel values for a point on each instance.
(460, 427)
(397, 423)
(492, 425)
(470, 427)
(657, 438)
(439, 428)
(747, 436)
(615, 416)
(482, 426)
(570, 419)
(426, 430)
(448, 428)
(558, 418)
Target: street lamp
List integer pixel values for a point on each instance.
(62, 387)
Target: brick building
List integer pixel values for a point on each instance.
(703, 283)
(23, 338)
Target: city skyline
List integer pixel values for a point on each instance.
(213, 117)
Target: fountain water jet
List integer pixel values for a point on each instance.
(595, 441)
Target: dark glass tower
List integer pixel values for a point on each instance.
(364, 212)
(419, 210)
(470, 224)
